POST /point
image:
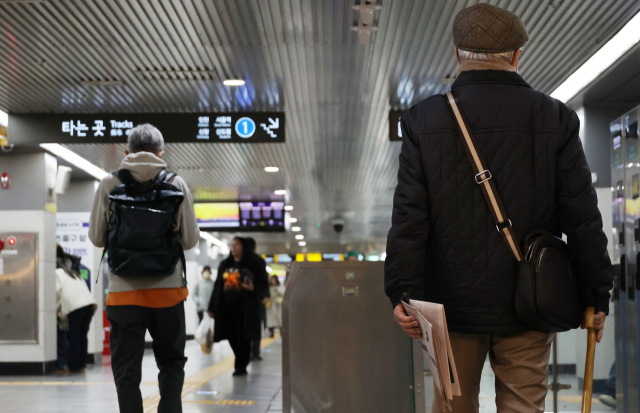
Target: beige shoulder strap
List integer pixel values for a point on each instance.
(484, 179)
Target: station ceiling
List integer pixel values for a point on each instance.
(297, 56)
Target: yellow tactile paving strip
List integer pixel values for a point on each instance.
(198, 380)
(227, 402)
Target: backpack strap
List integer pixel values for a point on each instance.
(483, 178)
(183, 260)
(125, 176)
(165, 176)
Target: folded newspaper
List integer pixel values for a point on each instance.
(436, 346)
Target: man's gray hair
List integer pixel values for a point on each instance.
(145, 138)
(486, 57)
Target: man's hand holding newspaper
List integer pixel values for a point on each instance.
(427, 323)
(408, 323)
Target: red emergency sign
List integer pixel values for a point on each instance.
(5, 180)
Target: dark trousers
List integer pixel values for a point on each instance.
(234, 323)
(255, 344)
(63, 349)
(241, 347)
(255, 348)
(610, 386)
(79, 322)
(167, 328)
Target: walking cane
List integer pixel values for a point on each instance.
(588, 367)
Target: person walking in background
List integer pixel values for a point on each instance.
(443, 246)
(147, 280)
(608, 396)
(263, 298)
(203, 291)
(234, 304)
(75, 308)
(274, 306)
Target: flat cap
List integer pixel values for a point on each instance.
(484, 28)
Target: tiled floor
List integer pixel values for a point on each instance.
(209, 387)
(208, 381)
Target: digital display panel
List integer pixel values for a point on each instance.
(262, 216)
(249, 216)
(217, 215)
(249, 127)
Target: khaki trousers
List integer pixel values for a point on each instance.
(520, 363)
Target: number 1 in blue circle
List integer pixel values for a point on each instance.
(245, 127)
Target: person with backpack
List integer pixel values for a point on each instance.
(144, 218)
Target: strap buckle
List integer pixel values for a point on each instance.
(504, 225)
(489, 176)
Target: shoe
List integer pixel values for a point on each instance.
(64, 370)
(607, 400)
(240, 373)
(256, 358)
(81, 371)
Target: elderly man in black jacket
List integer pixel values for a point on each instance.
(443, 246)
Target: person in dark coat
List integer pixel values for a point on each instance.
(443, 246)
(263, 297)
(234, 303)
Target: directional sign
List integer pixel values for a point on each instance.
(258, 127)
(245, 127)
(274, 125)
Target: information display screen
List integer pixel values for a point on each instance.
(251, 127)
(214, 215)
(253, 216)
(262, 216)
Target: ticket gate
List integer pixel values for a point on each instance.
(342, 349)
(625, 178)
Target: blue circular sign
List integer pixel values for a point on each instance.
(245, 127)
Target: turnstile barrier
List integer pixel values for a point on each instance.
(342, 349)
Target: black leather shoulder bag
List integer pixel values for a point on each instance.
(546, 295)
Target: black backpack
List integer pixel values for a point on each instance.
(141, 239)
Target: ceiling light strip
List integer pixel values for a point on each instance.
(75, 160)
(624, 40)
(4, 118)
(215, 241)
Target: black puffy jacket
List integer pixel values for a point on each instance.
(443, 245)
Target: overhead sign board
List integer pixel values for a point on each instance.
(395, 131)
(252, 127)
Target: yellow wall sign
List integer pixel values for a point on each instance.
(314, 257)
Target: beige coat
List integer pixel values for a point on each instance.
(274, 312)
(144, 166)
(72, 293)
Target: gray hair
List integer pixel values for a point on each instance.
(486, 57)
(145, 138)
